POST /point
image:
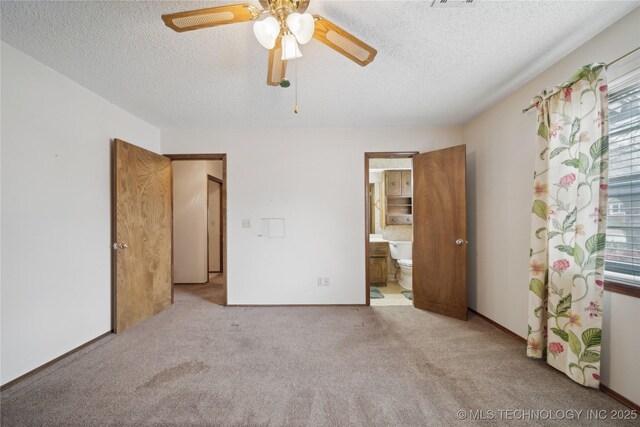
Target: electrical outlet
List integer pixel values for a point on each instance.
(320, 281)
(246, 223)
(326, 281)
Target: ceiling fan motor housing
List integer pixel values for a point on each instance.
(285, 6)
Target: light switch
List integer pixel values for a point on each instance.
(246, 223)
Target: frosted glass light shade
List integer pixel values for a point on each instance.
(302, 26)
(290, 49)
(267, 31)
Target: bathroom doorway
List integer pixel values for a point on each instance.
(427, 257)
(389, 220)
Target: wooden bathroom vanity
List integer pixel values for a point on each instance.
(378, 252)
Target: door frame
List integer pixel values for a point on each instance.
(221, 182)
(223, 208)
(367, 215)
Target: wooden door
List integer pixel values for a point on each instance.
(394, 183)
(142, 233)
(214, 224)
(372, 208)
(440, 232)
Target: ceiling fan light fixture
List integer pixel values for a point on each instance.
(285, 25)
(290, 49)
(267, 31)
(302, 26)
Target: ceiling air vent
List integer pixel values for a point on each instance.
(453, 3)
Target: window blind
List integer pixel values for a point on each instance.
(622, 254)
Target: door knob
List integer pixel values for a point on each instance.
(459, 242)
(122, 245)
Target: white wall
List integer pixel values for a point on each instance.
(190, 242)
(314, 178)
(500, 162)
(55, 279)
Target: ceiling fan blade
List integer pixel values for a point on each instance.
(211, 17)
(277, 67)
(341, 41)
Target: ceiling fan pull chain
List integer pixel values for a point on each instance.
(295, 108)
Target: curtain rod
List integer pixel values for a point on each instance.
(533, 104)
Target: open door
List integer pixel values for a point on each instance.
(440, 232)
(214, 224)
(142, 235)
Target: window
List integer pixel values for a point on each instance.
(623, 220)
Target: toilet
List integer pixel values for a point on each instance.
(401, 251)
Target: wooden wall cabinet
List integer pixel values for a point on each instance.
(398, 197)
(407, 188)
(378, 252)
(393, 181)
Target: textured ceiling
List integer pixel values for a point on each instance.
(434, 66)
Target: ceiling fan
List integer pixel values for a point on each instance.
(287, 25)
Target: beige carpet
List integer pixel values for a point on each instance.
(202, 364)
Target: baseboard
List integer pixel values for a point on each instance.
(56, 360)
(620, 398)
(617, 396)
(499, 326)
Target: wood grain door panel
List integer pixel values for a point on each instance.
(439, 219)
(142, 199)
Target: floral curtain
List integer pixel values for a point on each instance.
(568, 227)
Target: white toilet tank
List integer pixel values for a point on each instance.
(401, 249)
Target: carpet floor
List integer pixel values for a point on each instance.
(199, 363)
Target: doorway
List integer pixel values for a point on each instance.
(141, 221)
(431, 196)
(389, 225)
(199, 225)
(142, 228)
